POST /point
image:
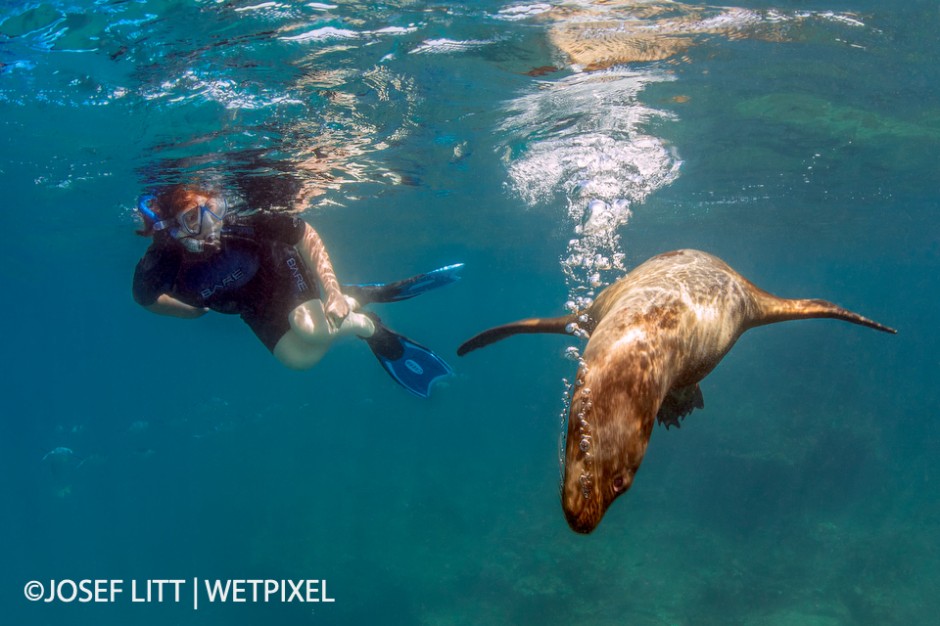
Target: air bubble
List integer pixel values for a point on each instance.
(586, 484)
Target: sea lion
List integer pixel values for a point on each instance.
(654, 334)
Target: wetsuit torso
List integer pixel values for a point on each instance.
(256, 273)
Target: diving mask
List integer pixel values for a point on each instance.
(188, 223)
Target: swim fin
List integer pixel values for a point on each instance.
(413, 366)
(404, 289)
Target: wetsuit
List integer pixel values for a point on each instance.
(256, 273)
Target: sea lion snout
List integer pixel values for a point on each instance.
(585, 503)
(606, 441)
(581, 520)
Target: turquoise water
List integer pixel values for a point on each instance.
(796, 140)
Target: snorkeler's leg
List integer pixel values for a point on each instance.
(309, 321)
(310, 335)
(404, 289)
(296, 353)
(358, 325)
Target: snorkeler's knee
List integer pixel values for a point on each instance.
(309, 320)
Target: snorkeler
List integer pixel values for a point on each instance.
(272, 269)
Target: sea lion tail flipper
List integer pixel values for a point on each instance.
(554, 325)
(774, 309)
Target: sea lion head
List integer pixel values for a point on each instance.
(613, 408)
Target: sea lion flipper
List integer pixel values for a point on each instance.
(554, 325)
(678, 403)
(774, 309)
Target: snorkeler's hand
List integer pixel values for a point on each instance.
(336, 309)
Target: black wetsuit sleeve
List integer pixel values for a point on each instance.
(265, 226)
(155, 274)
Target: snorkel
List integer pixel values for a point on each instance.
(143, 205)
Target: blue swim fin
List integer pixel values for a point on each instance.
(413, 366)
(404, 289)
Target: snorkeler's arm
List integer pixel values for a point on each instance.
(314, 254)
(153, 280)
(168, 305)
